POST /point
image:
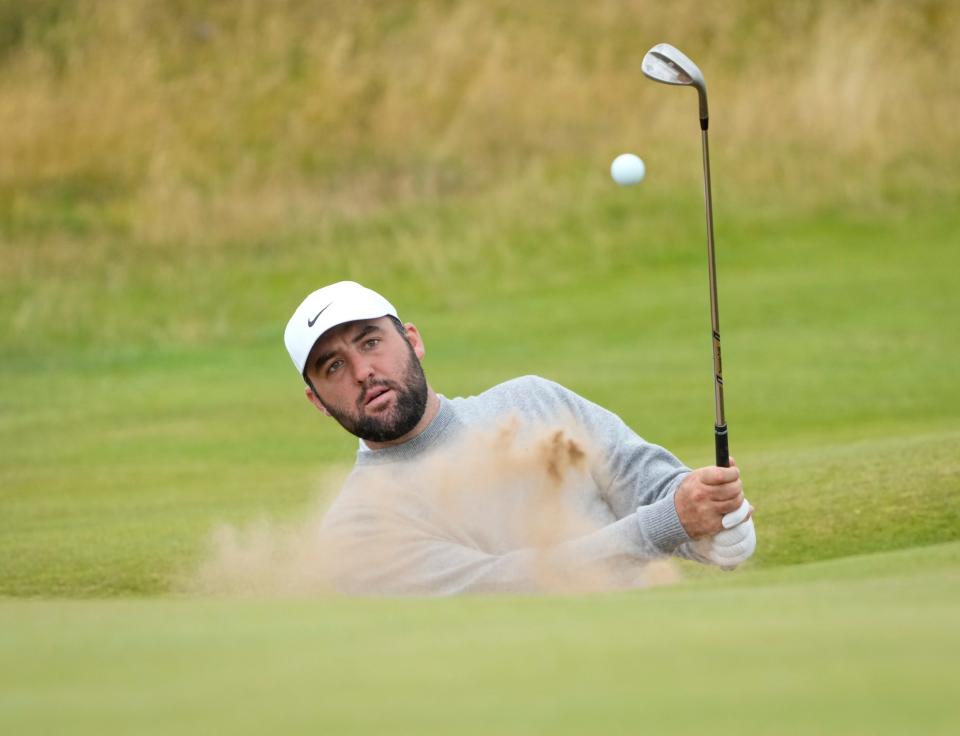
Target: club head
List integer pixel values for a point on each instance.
(669, 65)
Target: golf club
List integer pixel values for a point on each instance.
(666, 64)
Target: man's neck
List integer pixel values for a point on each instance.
(433, 406)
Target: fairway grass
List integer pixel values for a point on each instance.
(840, 384)
(863, 645)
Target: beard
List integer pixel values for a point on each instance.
(408, 406)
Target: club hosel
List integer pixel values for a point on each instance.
(723, 448)
(702, 99)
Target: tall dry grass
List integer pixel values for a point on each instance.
(216, 120)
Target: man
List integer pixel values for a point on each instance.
(443, 498)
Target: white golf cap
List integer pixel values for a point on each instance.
(328, 307)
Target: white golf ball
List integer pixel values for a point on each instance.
(627, 169)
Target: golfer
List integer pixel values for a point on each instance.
(362, 367)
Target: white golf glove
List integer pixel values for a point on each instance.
(735, 544)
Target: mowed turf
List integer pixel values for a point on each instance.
(839, 362)
(864, 645)
(119, 460)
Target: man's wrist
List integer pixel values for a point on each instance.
(660, 525)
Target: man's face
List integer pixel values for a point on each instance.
(368, 377)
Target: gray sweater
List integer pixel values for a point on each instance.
(526, 487)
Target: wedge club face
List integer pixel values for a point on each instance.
(669, 65)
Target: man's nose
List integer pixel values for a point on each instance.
(362, 369)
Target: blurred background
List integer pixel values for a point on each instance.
(176, 176)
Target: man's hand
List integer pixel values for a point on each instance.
(706, 496)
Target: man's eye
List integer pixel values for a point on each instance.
(334, 367)
(372, 342)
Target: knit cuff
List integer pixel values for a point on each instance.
(660, 524)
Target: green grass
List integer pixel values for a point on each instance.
(865, 645)
(119, 456)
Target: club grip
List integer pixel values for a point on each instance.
(723, 451)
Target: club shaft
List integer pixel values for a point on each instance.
(721, 422)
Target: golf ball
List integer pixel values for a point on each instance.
(627, 169)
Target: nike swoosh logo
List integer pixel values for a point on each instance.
(310, 322)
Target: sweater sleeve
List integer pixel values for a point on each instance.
(633, 475)
(372, 552)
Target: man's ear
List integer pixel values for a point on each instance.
(315, 400)
(415, 340)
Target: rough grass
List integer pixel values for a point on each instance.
(173, 173)
(151, 131)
